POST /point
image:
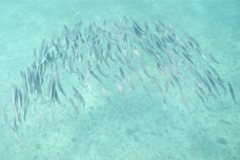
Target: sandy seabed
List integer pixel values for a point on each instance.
(134, 128)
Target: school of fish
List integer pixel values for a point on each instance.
(121, 55)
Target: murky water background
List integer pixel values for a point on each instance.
(136, 127)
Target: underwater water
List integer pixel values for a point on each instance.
(119, 112)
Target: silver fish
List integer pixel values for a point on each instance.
(24, 79)
(96, 77)
(74, 106)
(50, 86)
(57, 99)
(120, 88)
(184, 100)
(200, 96)
(213, 83)
(41, 50)
(100, 70)
(60, 85)
(53, 92)
(25, 109)
(137, 29)
(78, 95)
(16, 105)
(122, 73)
(145, 88)
(232, 92)
(5, 116)
(37, 83)
(106, 95)
(145, 71)
(164, 105)
(88, 68)
(15, 126)
(119, 58)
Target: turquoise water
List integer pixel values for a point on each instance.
(133, 126)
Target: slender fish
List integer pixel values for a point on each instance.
(232, 92)
(60, 85)
(74, 106)
(78, 95)
(122, 73)
(6, 117)
(100, 70)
